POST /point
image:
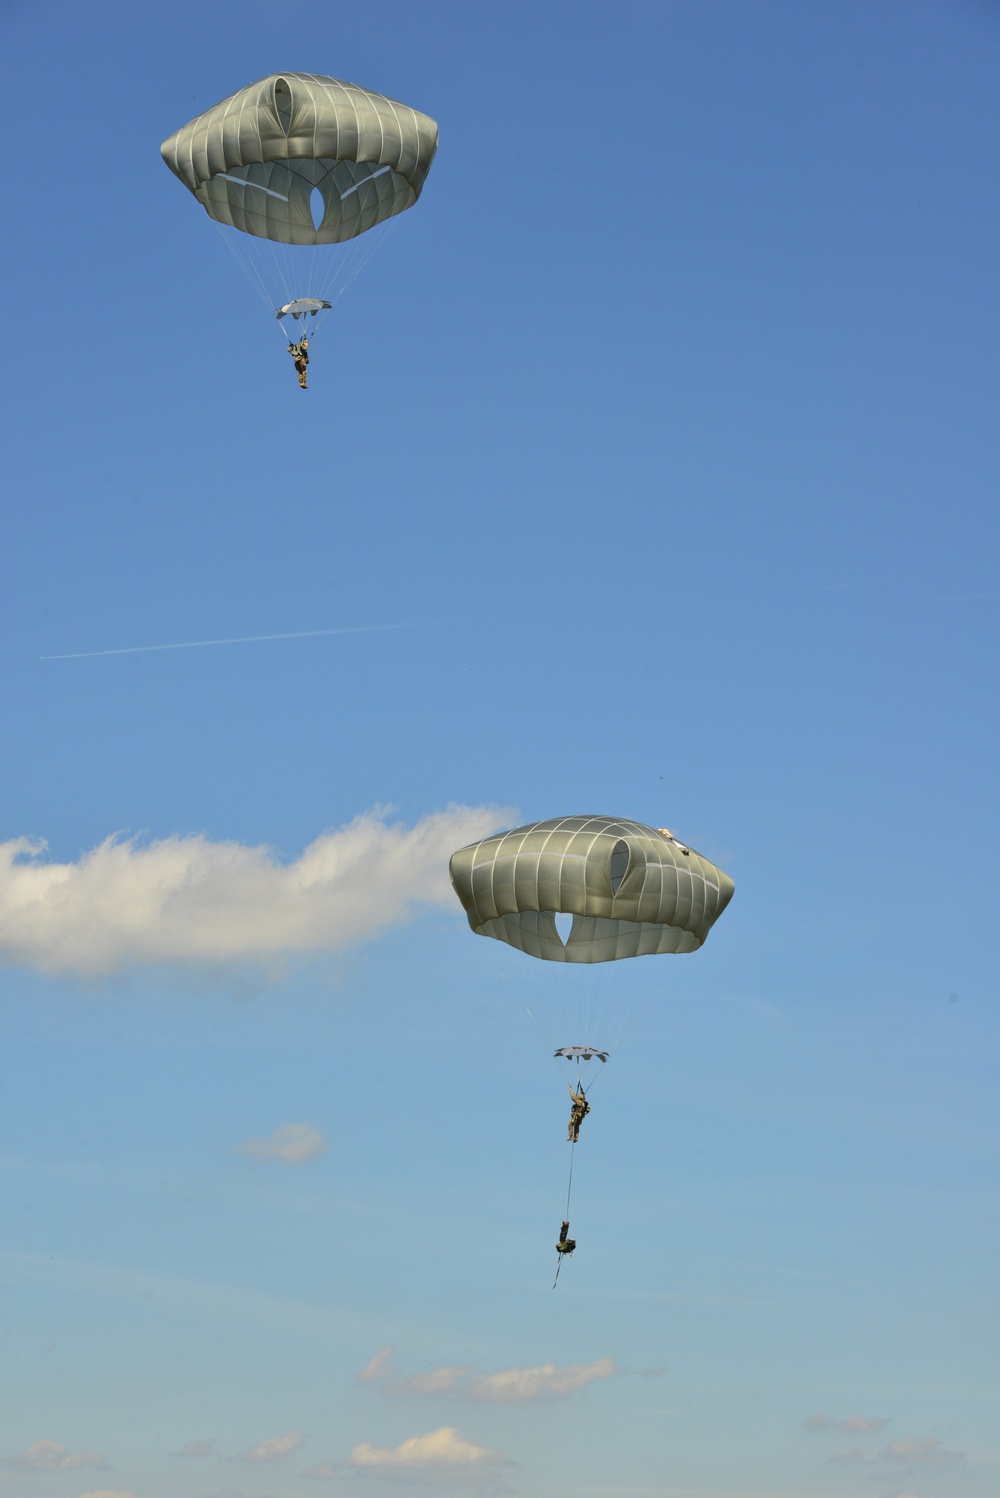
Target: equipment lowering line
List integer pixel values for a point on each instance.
(566, 1219)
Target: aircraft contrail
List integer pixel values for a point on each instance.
(302, 634)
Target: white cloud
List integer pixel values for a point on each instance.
(440, 1381)
(292, 1144)
(928, 1453)
(188, 900)
(203, 1447)
(52, 1456)
(321, 1470)
(438, 1448)
(516, 1385)
(275, 1447)
(375, 1369)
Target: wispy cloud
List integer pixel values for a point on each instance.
(853, 1425)
(52, 1456)
(509, 1386)
(376, 1367)
(928, 1453)
(202, 1447)
(108, 1493)
(440, 1381)
(300, 634)
(290, 1144)
(188, 900)
(849, 1458)
(212, 1301)
(519, 1385)
(275, 1447)
(437, 1448)
(905, 1454)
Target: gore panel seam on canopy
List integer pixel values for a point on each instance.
(541, 857)
(595, 839)
(256, 124)
(315, 133)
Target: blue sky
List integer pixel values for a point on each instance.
(662, 434)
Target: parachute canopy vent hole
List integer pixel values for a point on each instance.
(619, 865)
(283, 103)
(317, 207)
(564, 925)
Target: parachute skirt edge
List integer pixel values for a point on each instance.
(592, 938)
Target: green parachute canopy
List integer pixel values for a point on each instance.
(304, 159)
(631, 890)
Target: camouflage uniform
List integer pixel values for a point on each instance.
(578, 1113)
(300, 358)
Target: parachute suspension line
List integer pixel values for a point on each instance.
(580, 1008)
(278, 273)
(570, 1004)
(629, 1017)
(616, 1008)
(538, 1029)
(594, 1018)
(246, 265)
(281, 259)
(374, 242)
(352, 265)
(283, 264)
